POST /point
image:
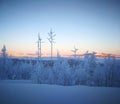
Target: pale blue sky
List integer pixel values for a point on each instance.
(92, 25)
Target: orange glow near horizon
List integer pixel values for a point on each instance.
(16, 54)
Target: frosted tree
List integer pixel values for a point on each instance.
(111, 70)
(89, 66)
(39, 46)
(74, 51)
(51, 40)
(5, 64)
(4, 54)
(86, 59)
(92, 61)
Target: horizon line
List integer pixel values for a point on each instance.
(32, 55)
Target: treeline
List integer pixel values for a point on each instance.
(86, 71)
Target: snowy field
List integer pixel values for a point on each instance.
(24, 92)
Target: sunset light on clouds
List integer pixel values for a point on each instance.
(92, 25)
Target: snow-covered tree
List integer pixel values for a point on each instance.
(86, 61)
(89, 66)
(4, 54)
(74, 51)
(92, 63)
(3, 64)
(39, 42)
(111, 71)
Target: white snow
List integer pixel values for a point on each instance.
(26, 93)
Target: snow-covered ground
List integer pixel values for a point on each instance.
(23, 92)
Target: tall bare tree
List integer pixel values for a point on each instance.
(39, 46)
(51, 40)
